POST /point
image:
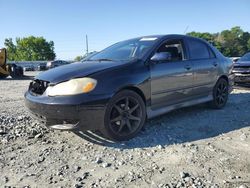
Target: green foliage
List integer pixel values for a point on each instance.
(206, 36)
(248, 44)
(30, 49)
(78, 58)
(233, 42)
(11, 49)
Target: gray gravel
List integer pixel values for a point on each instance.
(191, 147)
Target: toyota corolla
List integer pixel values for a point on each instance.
(117, 89)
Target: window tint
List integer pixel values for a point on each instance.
(197, 49)
(175, 48)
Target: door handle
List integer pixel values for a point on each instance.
(188, 67)
(215, 64)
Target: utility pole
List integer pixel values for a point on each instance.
(87, 44)
(185, 31)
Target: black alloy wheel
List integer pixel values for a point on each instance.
(125, 116)
(220, 94)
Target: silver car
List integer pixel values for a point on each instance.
(57, 63)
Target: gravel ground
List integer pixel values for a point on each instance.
(191, 147)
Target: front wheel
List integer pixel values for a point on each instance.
(125, 115)
(220, 94)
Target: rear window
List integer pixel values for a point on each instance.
(198, 49)
(212, 55)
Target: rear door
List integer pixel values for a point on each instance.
(205, 66)
(171, 81)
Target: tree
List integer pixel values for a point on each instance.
(78, 58)
(206, 36)
(248, 45)
(233, 42)
(30, 49)
(11, 49)
(86, 55)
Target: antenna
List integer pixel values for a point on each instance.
(185, 31)
(87, 44)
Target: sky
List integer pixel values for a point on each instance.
(67, 22)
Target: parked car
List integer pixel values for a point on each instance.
(28, 68)
(57, 63)
(241, 69)
(117, 89)
(234, 59)
(16, 71)
(42, 67)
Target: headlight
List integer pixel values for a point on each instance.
(72, 87)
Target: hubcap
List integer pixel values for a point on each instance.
(221, 93)
(125, 116)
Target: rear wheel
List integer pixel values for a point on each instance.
(220, 94)
(125, 115)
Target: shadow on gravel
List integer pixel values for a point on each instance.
(185, 125)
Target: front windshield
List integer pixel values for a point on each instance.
(126, 50)
(245, 57)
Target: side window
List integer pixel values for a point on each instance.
(211, 53)
(198, 49)
(175, 48)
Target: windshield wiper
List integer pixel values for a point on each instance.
(103, 59)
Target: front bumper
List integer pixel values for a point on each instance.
(83, 112)
(241, 73)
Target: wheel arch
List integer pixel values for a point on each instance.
(136, 90)
(223, 77)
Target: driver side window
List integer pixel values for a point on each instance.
(175, 48)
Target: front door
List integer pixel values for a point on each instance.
(172, 80)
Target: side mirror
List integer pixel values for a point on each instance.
(161, 56)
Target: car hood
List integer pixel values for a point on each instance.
(242, 64)
(76, 70)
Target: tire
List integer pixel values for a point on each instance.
(20, 71)
(220, 94)
(125, 116)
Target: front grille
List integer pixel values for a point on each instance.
(241, 67)
(242, 70)
(38, 87)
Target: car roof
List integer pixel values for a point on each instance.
(159, 36)
(165, 36)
